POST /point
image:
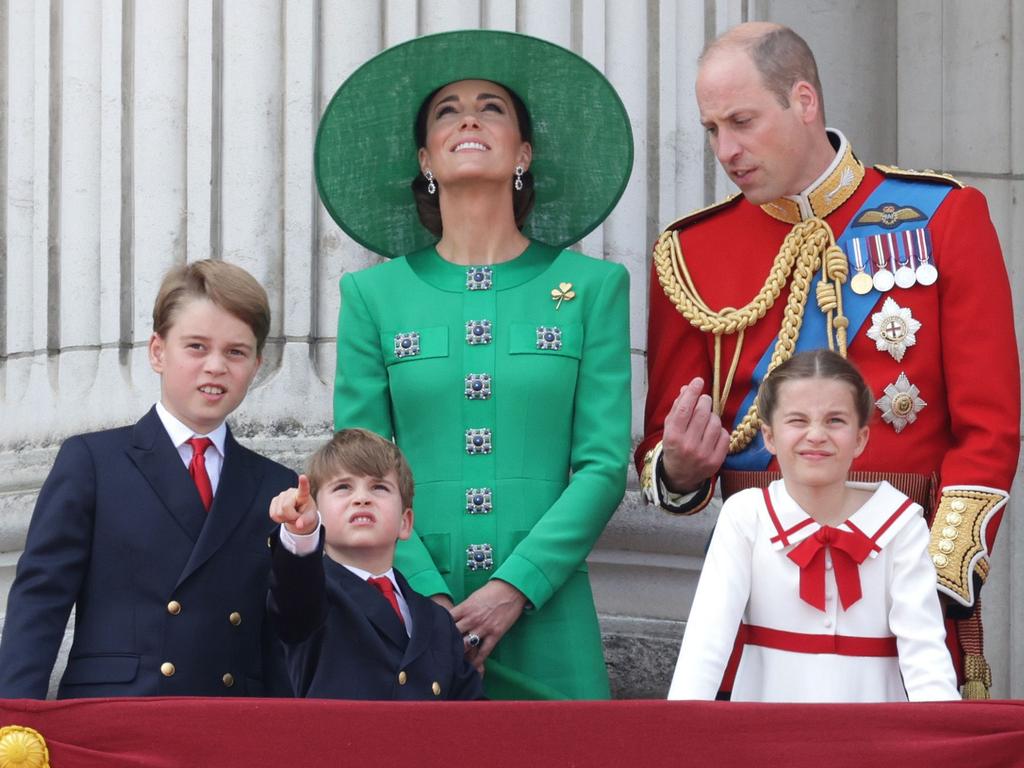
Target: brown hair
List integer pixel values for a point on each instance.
(228, 286)
(428, 206)
(779, 54)
(362, 453)
(816, 364)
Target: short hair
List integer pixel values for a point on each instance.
(816, 364)
(428, 206)
(780, 55)
(363, 453)
(228, 286)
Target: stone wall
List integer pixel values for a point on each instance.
(138, 134)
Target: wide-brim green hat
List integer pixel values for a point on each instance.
(366, 155)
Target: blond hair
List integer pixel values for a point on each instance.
(362, 453)
(228, 286)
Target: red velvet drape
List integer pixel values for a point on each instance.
(159, 733)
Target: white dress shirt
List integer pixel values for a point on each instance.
(181, 434)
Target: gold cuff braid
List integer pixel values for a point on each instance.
(808, 247)
(957, 543)
(647, 479)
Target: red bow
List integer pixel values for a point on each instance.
(849, 550)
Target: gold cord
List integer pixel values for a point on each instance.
(810, 245)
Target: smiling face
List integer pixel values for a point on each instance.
(206, 360)
(767, 149)
(472, 134)
(364, 518)
(814, 432)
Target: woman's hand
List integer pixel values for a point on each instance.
(488, 613)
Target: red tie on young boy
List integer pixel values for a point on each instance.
(197, 469)
(383, 583)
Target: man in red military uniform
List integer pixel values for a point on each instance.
(898, 270)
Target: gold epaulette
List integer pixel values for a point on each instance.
(925, 175)
(701, 213)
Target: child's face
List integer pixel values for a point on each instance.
(364, 518)
(814, 432)
(206, 363)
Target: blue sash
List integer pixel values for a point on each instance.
(926, 197)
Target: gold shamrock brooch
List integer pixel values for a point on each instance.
(563, 292)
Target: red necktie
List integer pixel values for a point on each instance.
(197, 469)
(383, 583)
(849, 550)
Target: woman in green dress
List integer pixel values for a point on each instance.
(496, 359)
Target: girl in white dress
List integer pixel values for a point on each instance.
(829, 581)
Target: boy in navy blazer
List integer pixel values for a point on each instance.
(157, 533)
(353, 627)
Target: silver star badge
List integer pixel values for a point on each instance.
(893, 329)
(900, 404)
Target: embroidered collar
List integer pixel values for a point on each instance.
(880, 518)
(827, 192)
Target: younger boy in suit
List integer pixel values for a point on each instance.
(353, 627)
(157, 532)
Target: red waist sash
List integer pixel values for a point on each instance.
(798, 642)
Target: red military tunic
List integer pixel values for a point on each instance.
(963, 359)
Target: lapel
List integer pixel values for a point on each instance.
(239, 483)
(421, 610)
(159, 462)
(370, 601)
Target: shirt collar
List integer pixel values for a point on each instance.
(880, 518)
(826, 193)
(389, 574)
(180, 433)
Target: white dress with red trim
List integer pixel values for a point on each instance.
(844, 614)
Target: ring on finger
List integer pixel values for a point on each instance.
(472, 639)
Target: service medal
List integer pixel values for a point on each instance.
(881, 248)
(905, 277)
(883, 280)
(918, 244)
(927, 274)
(860, 282)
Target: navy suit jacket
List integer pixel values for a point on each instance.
(343, 639)
(169, 600)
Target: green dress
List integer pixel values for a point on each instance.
(514, 412)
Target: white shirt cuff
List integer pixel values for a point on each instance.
(301, 544)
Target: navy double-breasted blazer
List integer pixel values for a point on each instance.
(343, 640)
(169, 599)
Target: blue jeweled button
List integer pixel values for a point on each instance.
(549, 337)
(478, 501)
(478, 441)
(407, 344)
(478, 386)
(479, 278)
(479, 557)
(478, 332)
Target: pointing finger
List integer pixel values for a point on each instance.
(302, 498)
